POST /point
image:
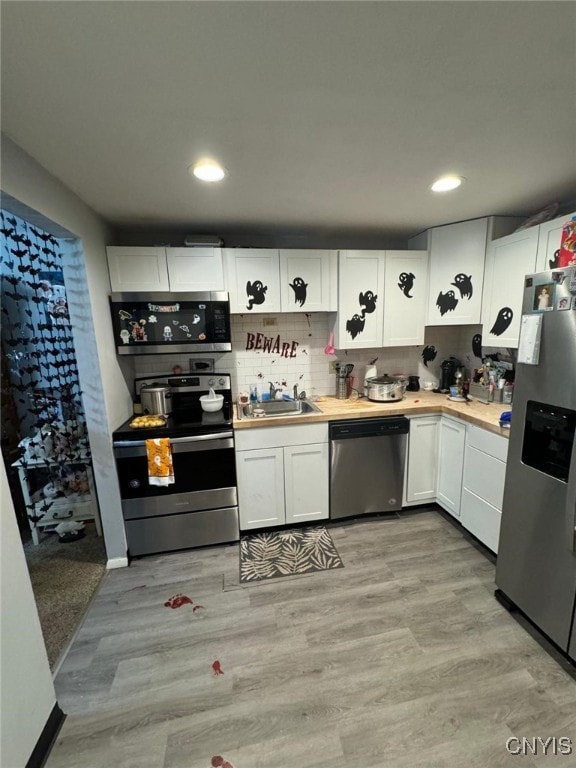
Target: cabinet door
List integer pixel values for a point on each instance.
(260, 477)
(405, 297)
(457, 253)
(422, 461)
(252, 277)
(507, 261)
(549, 236)
(195, 269)
(308, 280)
(451, 441)
(360, 299)
(137, 269)
(306, 482)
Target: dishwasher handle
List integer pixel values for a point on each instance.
(375, 427)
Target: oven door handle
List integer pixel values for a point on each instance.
(175, 440)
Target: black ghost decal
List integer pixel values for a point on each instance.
(367, 302)
(502, 322)
(446, 302)
(477, 345)
(428, 354)
(464, 284)
(299, 288)
(355, 325)
(405, 283)
(256, 293)
(555, 261)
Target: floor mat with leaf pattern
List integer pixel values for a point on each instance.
(271, 554)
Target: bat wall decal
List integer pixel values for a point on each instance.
(428, 354)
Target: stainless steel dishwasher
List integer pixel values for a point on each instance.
(367, 465)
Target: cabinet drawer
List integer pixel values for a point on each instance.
(481, 519)
(490, 443)
(484, 475)
(272, 437)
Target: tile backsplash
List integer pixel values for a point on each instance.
(288, 349)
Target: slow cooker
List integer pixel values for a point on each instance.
(384, 389)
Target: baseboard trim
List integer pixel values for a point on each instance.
(117, 562)
(47, 738)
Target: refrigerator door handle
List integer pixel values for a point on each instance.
(571, 501)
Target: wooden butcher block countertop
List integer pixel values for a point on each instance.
(414, 404)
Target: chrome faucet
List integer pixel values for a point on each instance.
(273, 390)
(295, 391)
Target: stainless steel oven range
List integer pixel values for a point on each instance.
(201, 506)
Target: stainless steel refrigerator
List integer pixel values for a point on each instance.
(536, 567)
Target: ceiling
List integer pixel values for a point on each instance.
(328, 116)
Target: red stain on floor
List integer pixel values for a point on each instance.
(177, 601)
(219, 762)
(217, 669)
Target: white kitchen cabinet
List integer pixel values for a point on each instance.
(195, 269)
(451, 442)
(420, 474)
(508, 260)
(137, 269)
(405, 298)
(483, 484)
(549, 236)
(308, 280)
(360, 318)
(457, 253)
(165, 269)
(282, 475)
(252, 278)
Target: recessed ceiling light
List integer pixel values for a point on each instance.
(208, 170)
(446, 183)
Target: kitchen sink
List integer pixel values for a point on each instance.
(277, 408)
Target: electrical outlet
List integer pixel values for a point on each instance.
(332, 366)
(270, 321)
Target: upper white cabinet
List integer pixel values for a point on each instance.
(308, 280)
(137, 269)
(405, 297)
(165, 269)
(360, 299)
(382, 298)
(195, 269)
(252, 277)
(457, 254)
(549, 236)
(508, 260)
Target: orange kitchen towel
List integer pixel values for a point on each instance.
(160, 467)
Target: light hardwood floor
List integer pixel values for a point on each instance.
(402, 658)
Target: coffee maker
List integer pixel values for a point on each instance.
(448, 373)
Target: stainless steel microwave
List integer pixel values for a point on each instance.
(158, 323)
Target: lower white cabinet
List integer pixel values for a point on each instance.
(282, 475)
(421, 460)
(451, 441)
(483, 484)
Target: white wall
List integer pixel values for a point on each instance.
(106, 396)
(27, 693)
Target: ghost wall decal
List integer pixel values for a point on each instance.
(367, 302)
(256, 293)
(428, 354)
(446, 302)
(464, 284)
(477, 345)
(355, 325)
(555, 261)
(406, 282)
(299, 288)
(502, 322)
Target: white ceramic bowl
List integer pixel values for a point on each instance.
(429, 386)
(211, 404)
